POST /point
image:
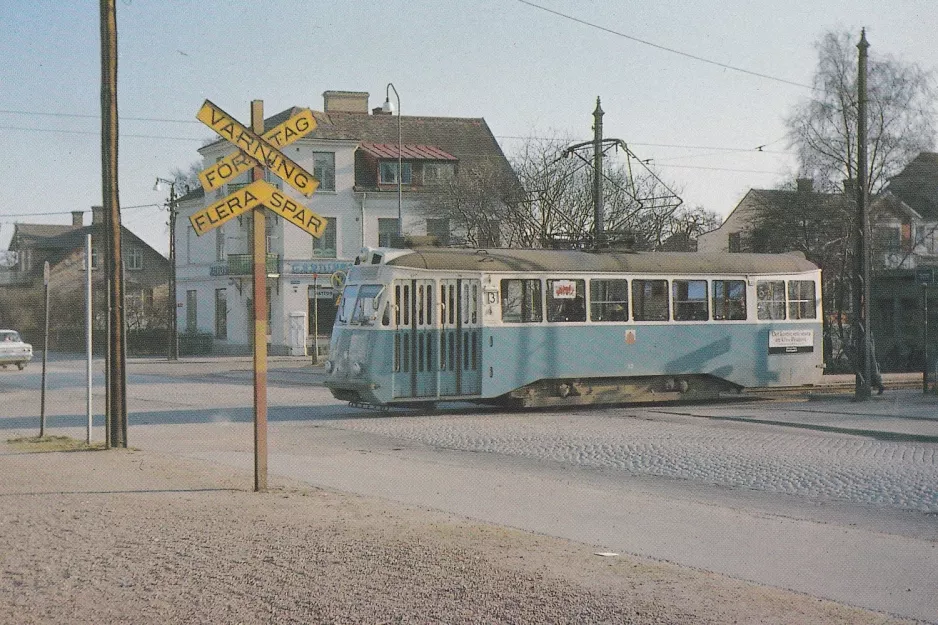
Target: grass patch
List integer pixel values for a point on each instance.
(51, 443)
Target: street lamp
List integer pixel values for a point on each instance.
(172, 348)
(389, 108)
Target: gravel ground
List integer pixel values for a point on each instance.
(127, 536)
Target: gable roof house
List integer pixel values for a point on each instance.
(353, 152)
(63, 247)
(906, 221)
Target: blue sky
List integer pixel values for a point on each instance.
(527, 71)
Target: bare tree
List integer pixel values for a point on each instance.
(823, 128)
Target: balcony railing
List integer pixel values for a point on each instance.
(240, 265)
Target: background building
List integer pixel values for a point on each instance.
(354, 154)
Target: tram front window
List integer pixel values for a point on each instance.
(349, 295)
(366, 306)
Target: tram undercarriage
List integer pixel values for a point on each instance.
(597, 391)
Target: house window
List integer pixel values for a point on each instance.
(437, 173)
(609, 300)
(770, 299)
(220, 244)
(191, 311)
(690, 300)
(521, 301)
(135, 258)
(729, 300)
(324, 170)
(221, 314)
(489, 234)
(439, 229)
(801, 301)
(650, 300)
(389, 172)
(94, 258)
(735, 242)
(325, 246)
(387, 231)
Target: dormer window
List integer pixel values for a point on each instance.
(389, 173)
(437, 173)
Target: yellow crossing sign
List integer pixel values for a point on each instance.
(235, 164)
(258, 148)
(252, 196)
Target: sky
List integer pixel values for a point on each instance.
(667, 72)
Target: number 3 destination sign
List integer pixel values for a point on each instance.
(254, 150)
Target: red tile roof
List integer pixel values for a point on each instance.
(408, 151)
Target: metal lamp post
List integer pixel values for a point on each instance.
(172, 350)
(389, 108)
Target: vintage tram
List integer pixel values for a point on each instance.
(553, 328)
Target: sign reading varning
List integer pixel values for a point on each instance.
(258, 148)
(235, 164)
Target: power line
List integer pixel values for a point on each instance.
(98, 132)
(98, 117)
(46, 214)
(666, 49)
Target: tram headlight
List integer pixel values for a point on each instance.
(357, 368)
(329, 366)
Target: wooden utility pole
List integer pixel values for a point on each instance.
(863, 337)
(116, 357)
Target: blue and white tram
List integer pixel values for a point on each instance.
(553, 328)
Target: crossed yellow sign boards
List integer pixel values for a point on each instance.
(254, 151)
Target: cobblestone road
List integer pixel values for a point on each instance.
(652, 442)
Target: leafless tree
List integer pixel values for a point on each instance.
(900, 105)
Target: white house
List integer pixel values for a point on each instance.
(354, 155)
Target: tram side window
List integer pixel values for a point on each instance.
(690, 300)
(609, 300)
(566, 300)
(650, 300)
(521, 301)
(801, 301)
(770, 299)
(729, 300)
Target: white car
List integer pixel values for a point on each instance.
(13, 351)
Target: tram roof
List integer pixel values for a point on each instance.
(522, 260)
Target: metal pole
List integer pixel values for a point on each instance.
(925, 339)
(316, 318)
(260, 320)
(117, 380)
(173, 328)
(45, 351)
(88, 321)
(598, 175)
(400, 150)
(863, 338)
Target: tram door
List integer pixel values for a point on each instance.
(460, 365)
(415, 339)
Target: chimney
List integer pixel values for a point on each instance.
(805, 185)
(850, 187)
(97, 215)
(78, 219)
(345, 102)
